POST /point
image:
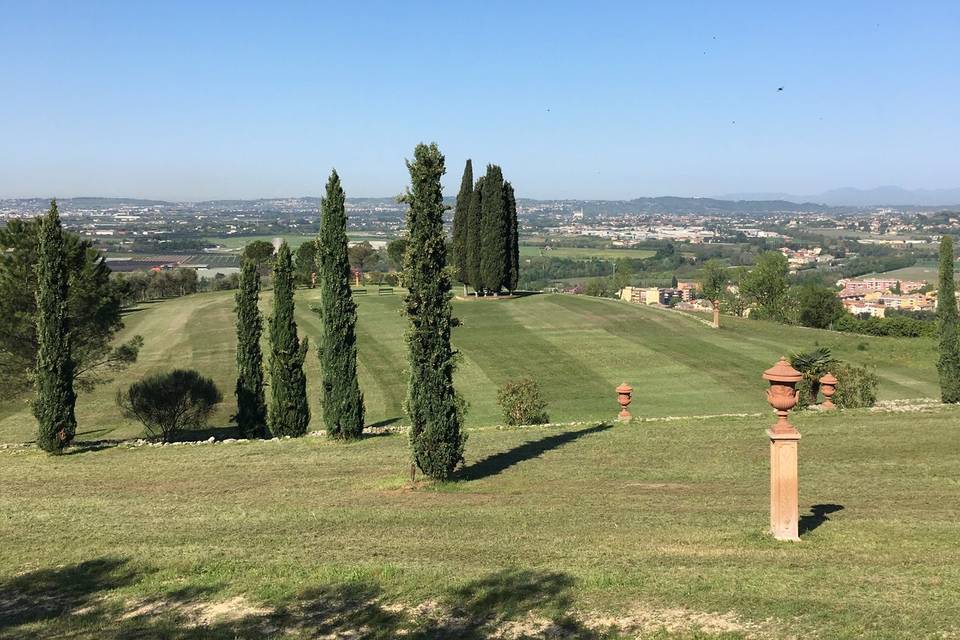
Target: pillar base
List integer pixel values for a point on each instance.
(784, 486)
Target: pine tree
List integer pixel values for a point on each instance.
(949, 363)
(289, 412)
(474, 238)
(494, 232)
(56, 399)
(342, 399)
(251, 406)
(513, 237)
(435, 434)
(461, 218)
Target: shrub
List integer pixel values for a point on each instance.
(522, 402)
(168, 403)
(813, 365)
(856, 387)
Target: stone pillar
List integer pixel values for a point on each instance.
(624, 392)
(716, 314)
(784, 480)
(784, 486)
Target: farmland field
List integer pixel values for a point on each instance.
(294, 240)
(583, 253)
(927, 271)
(578, 348)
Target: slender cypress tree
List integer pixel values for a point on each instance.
(251, 406)
(436, 439)
(461, 216)
(474, 237)
(289, 412)
(949, 363)
(342, 400)
(494, 230)
(56, 399)
(513, 238)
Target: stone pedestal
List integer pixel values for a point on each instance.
(784, 485)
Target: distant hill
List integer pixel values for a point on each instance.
(877, 197)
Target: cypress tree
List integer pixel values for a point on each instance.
(342, 400)
(56, 399)
(474, 236)
(461, 216)
(289, 412)
(251, 406)
(513, 237)
(494, 232)
(948, 364)
(436, 439)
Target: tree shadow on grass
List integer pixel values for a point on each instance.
(499, 462)
(819, 513)
(384, 423)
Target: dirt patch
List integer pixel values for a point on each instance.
(198, 614)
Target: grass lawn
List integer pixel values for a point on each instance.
(655, 527)
(583, 253)
(928, 272)
(578, 348)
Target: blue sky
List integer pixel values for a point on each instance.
(594, 100)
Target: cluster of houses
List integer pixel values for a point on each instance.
(874, 296)
(683, 292)
(804, 257)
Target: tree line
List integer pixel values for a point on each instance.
(485, 246)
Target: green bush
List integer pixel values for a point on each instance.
(168, 403)
(522, 402)
(856, 387)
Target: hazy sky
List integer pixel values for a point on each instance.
(595, 100)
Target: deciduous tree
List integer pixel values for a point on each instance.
(713, 286)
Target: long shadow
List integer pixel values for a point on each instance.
(385, 423)
(819, 513)
(499, 462)
(196, 435)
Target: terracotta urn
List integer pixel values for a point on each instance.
(828, 385)
(624, 392)
(782, 394)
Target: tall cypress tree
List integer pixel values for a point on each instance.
(461, 216)
(55, 401)
(513, 237)
(435, 435)
(342, 400)
(474, 238)
(948, 364)
(289, 412)
(251, 406)
(494, 231)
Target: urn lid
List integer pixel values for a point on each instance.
(624, 388)
(782, 372)
(828, 379)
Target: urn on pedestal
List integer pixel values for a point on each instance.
(784, 481)
(624, 393)
(828, 385)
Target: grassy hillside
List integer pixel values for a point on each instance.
(642, 526)
(578, 348)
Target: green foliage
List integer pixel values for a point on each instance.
(93, 310)
(435, 413)
(396, 249)
(494, 232)
(55, 400)
(513, 238)
(813, 365)
(260, 252)
(894, 326)
(342, 399)
(856, 387)
(766, 286)
(948, 364)
(289, 412)
(461, 222)
(168, 403)
(251, 413)
(474, 237)
(713, 281)
(522, 402)
(306, 263)
(819, 306)
(363, 256)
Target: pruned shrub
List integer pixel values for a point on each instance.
(168, 403)
(856, 387)
(522, 402)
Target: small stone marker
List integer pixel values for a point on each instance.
(828, 385)
(784, 481)
(624, 392)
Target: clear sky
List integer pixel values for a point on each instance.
(198, 100)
